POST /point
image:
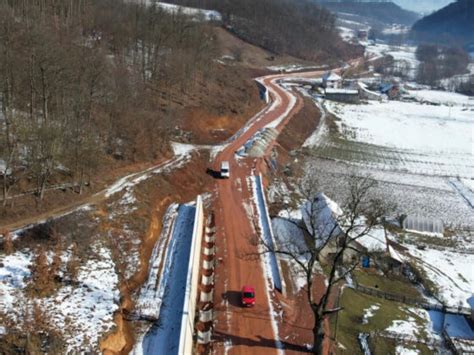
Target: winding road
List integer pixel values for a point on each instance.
(248, 330)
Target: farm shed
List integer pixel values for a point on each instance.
(343, 95)
(423, 224)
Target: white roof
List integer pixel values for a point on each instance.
(324, 214)
(342, 91)
(395, 254)
(330, 76)
(374, 241)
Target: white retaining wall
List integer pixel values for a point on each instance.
(190, 297)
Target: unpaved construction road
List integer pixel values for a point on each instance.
(248, 330)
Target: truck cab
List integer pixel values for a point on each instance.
(225, 170)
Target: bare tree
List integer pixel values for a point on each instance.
(330, 235)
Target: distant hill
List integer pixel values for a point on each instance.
(375, 13)
(453, 24)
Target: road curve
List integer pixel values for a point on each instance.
(246, 330)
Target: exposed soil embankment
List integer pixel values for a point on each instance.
(300, 127)
(181, 185)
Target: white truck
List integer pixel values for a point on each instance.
(225, 170)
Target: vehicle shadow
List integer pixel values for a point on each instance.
(215, 174)
(261, 342)
(234, 298)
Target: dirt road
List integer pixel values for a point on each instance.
(246, 330)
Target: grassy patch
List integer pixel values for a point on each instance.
(422, 239)
(383, 283)
(349, 321)
(380, 345)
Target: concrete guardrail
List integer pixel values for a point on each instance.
(190, 297)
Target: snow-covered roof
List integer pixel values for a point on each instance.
(374, 241)
(342, 91)
(395, 254)
(323, 214)
(330, 76)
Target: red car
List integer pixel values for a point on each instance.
(248, 296)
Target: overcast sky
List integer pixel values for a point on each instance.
(423, 6)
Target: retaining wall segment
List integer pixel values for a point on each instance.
(165, 335)
(267, 234)
(189, 309)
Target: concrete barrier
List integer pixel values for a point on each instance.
(208, 265)
(190, 297)
(207, 280)
(205, 316)
(209, 251)
(204, 337)
(267, 234)
(206, 296)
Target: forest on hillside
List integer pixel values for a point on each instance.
(301, 29)
(451, 25)
(83, 81)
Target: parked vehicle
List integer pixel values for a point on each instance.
(225, 170)
(248, 296)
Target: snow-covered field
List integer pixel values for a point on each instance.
(411, 137)
(450, 270)
(206, 15)
(443, 98)
(81, 312)
(402, 55)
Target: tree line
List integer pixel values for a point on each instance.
(438, 62)
(298, 28)
(86, 80)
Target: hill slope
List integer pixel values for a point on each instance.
(378, 14)
(297, 28)
(452, 24)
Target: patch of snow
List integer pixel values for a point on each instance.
(206, 15)
(290, 237)
(433, 139)
(135, 178)
(182, 149)
(466, 192)
(323, 213)
(83, 314)
(369, 313)
(441, 97)
(151, 294)
(163, 337)
(450, 271)
(402, 350)
(13, 273)
(469, 183)
(408, 326)
(374, 241)
(288, 68)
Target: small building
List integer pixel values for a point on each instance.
(322, 217)
(332, 80)
(350, 96)
(391, 90)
